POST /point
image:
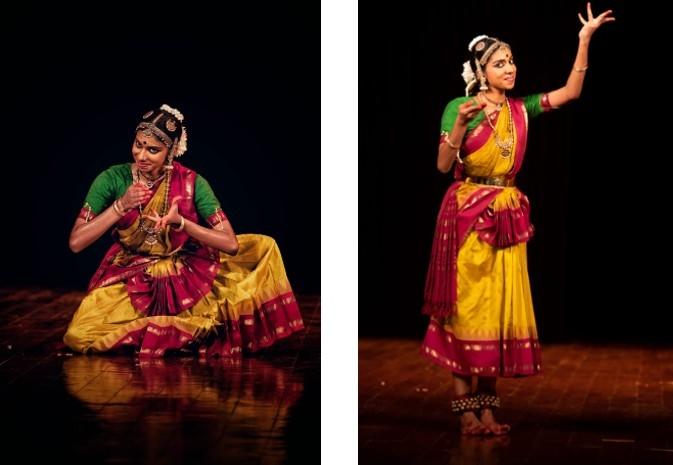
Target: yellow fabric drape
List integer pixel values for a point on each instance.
(494, 298)
(486, 160)
(254, 276)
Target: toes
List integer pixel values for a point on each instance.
(499, 430)
(473, 429)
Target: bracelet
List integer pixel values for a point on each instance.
(445, 138)
(182, 224)
(581, 70)
(455, 147)
(117, 208)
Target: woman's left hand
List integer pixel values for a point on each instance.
(591, 24)
(172, 217)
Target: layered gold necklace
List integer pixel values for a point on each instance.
(505, 145)
(152, 234)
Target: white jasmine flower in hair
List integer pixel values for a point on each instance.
(173, 112)
(468, 74)
(182, 143)
(475, 40)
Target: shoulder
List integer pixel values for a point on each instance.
(451, 110)
(184, 170)
(119, 170)
(113, 173)
(201, 183)
(456, 102)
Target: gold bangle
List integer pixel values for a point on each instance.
(455, 147)
(581, 70)
(182, 224)
(117, 208)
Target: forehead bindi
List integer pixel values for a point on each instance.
(150, 141)
(500, 55)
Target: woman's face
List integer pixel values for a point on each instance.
(149, 153)
(501, 70)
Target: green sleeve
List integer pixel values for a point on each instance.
(204, 198)
(101, 193)
(108, 185)
(451, 113)
(533, 104)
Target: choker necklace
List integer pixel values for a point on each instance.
(149, 182)
(498, 105)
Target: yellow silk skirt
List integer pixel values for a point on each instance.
(251, 290)
(494, 297)
(493, 332)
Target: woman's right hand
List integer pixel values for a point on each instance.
(468, 110)
(136, 194)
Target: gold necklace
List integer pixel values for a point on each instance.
(505, 146)
(149, 182)
(151, 233)
(498, 105)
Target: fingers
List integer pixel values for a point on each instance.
(156, 215)
(605, 17)
(156, 219)
(136, 195)
(469, 109)
(590, 15)
(582, 20)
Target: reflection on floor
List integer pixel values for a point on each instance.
(594, 404)
(261, 409)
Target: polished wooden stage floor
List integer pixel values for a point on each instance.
(65, 408)
(594, 404)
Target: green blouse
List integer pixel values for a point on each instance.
(533, 104)
(114, 181)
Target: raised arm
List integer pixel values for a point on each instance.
(573, 86)
(449, 144)
(84, 233)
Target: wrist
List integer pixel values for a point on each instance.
(181, 224)
(451, 144)
(117, 208)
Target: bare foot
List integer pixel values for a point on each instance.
(492, 426)
(470, 424)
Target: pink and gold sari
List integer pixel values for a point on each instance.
(179, 294)
(477, 288)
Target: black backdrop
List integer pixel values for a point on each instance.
(595, 171)
(76, 84)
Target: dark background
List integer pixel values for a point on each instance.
(596, 171)
(76, 83)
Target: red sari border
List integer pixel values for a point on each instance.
(505, 358)
(276, 319)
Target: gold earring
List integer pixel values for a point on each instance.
(483, 85)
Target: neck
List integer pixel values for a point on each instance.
(497, 95)
(151, 175)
